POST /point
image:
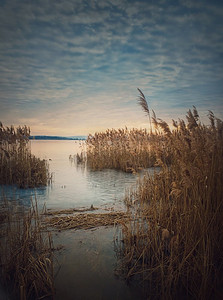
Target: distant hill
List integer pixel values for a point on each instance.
(50, 137)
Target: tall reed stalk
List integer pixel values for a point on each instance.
(175, 241)
(143, 103)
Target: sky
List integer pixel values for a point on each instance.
(73, 67)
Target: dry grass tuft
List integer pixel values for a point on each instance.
(17, 164)
(122, 149)
(26, 254)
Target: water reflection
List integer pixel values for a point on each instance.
(73, 186)
(87, 268)
(23, 196)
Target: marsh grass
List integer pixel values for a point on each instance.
(122, 149)
(17, 164)
(26, 254)
(175, 243)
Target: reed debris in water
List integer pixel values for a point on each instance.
(86, 220)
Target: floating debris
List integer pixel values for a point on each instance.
(86, 220)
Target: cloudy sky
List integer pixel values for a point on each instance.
(73, 67)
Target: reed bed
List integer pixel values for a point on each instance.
(26, 254)
(129, 150)
(17, 164)
(175, 242)
(86, 220)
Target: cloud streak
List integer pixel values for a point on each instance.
(78, 63)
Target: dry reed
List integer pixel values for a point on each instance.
(175, 242)
(122, 149)
(26, 254)
(17, 164)
(85, 220)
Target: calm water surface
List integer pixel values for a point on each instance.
(87, 262)
(73, 186)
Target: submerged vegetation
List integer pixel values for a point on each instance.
(26, 260)
(17, 164)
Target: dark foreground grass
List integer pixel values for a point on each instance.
(25, 254)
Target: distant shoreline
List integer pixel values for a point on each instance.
(49, 137)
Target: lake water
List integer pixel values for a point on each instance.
(72, 186)
(87, 262)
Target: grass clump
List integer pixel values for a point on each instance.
(129, 150)
(17, 164)
(122, 149)
(175, 242)
(26, 254)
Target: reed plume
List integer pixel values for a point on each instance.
(175, 242)
(143, 103)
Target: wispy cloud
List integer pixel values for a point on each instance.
(74, 66)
